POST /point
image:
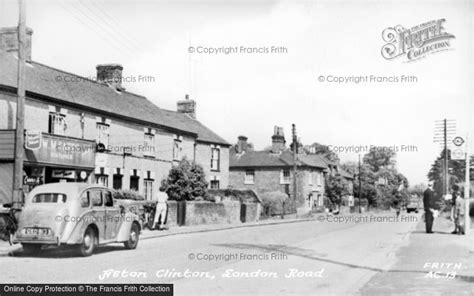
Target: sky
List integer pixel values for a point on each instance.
(248, 93)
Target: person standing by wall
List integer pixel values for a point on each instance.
(161, 211)
(428, 200)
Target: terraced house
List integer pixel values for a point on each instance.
(77, 129)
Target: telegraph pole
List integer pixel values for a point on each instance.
(446, 164)
(20, 110)
(293, 131)
(467, 221)
(444, 131)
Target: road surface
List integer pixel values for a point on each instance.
(304, 258)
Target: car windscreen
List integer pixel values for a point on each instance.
(49, 198)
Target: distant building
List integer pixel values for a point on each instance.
(267, 171)
(90, 131)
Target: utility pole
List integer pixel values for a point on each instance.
(20, 110)
(444, 131)
(293, 131)
(467, 221)
(360, 189)
(446, 164)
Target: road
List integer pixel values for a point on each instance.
(304, 258)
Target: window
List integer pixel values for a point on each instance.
(318, 179)
(177, 149)
(311, 178)
(148, 189)
(214, 184)
(102, 180)
(215, 155)
(103, 134)
(49, 198)
(149, 148)
(96, 198)
(134, 182)
(85, 200)
(285, 177)
(57, 123)
(117, 182)
(109, 201)
(249, 177)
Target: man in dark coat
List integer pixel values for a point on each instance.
(428, 200)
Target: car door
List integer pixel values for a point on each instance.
(98, 211)
(113, 216)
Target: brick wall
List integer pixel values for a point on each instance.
(203, 157)
(268, 180)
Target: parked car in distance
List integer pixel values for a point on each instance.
(413, 204)
(77, 214)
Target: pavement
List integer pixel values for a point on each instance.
(431, 264)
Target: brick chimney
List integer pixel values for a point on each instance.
(110, 74)
(187, 106)
(9, 41)
(278, 140)
(241, 144)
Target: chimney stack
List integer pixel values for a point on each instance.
(187, 106)
(278, 140)
(110, 74)
(242, 144)
(9, 41)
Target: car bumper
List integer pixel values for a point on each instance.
(37, 240)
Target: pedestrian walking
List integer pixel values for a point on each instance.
(428, 200)
(161, 211)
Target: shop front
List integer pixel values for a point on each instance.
(52, 158)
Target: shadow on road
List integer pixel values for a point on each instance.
(65, 252)
(312, 255)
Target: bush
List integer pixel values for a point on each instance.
(128, 194)
(186, 181)
(274, 203)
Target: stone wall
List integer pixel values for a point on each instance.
(206, 212)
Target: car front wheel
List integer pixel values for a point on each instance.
(134, 237)
(88, 243)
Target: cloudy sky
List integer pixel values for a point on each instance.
(249, 93)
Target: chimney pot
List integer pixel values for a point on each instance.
(278, 140)
(241, 144)
(110, 74)
(187, 106)
(9, 41)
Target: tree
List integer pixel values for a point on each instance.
(335, 188)
(456, 172)
(323, 150)
(380, 158)
(417, 189)
(235, 148)
(367, 180)
(185, 181)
